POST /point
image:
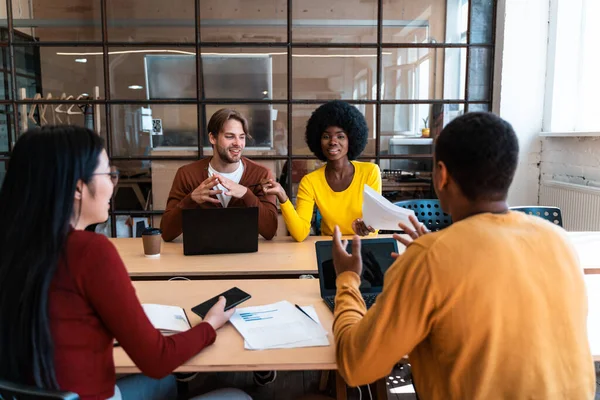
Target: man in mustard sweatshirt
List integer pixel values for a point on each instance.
(492, 307)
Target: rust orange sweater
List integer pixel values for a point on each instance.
(190, 176)
(492, 307)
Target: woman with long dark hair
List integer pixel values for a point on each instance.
(65, 294)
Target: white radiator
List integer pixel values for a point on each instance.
(580, 205)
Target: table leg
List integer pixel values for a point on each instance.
(381, 389)
(340, 387)
(324, 380)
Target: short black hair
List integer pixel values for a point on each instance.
(341, 114)
(481, 152)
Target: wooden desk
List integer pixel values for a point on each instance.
(227, 353)
(281, 256)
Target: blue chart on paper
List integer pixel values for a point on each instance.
(257, 316)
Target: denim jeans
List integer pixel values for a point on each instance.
(134, 387)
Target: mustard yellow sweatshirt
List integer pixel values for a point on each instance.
(492, 307)
(336, 208)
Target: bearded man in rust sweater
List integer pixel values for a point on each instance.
(224, 180)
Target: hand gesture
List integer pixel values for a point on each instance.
(417, 230)
(203, 193)
(360, 228)
(271, 186)
(342, 261)
(217, 316)
(232, 189)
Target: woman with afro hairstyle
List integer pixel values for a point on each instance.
(336, 133)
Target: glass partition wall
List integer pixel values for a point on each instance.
(148, 74)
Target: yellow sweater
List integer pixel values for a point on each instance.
(493, 307)
(336, 208)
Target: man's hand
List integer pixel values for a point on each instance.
(360, 228)
(233, 189)
(342, 261)
(217, 316)
(417, 230)
(203, 192)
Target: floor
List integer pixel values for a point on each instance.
(291, 385)
(304, 385)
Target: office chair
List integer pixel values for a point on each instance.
(15, 391)
(551, 214)
(316, 225)
(428, 212)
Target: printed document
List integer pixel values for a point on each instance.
(316, 342)
(276, 324)
(380, 214)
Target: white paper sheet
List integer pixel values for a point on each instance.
(275, 325)
(380, 214)
(316, 342)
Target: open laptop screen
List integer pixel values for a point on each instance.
(376, 256)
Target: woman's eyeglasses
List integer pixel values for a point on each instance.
(114, 175)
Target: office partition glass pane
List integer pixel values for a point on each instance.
(428, 21)
(64, 72)
(404, 179)
(133, 191)
(154, 130)
(3, 165)
(330, 74)
(237, 21)
(334, 21)
(7, 127)
(5, 77)
(52, 21)
(478, 108)
(480, 72)
(151, 21)
(423, 73)
(401, 123)
(244, 73)
(142, 73)
(91, 116)
(482, 21)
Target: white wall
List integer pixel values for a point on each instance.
(571, 159)
(519, 83)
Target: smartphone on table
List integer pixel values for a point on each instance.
(233, 297)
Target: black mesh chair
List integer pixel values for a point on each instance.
(14, 391)
(428, 212)
(551, 214)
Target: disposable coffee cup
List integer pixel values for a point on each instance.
(152, 240)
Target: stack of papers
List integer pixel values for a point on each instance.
(380, 214)
(167, 319)
(279, 325)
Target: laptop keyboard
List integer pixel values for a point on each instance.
(368, 298)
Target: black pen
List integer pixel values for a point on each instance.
(304, 312)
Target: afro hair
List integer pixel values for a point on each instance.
(341, 114)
